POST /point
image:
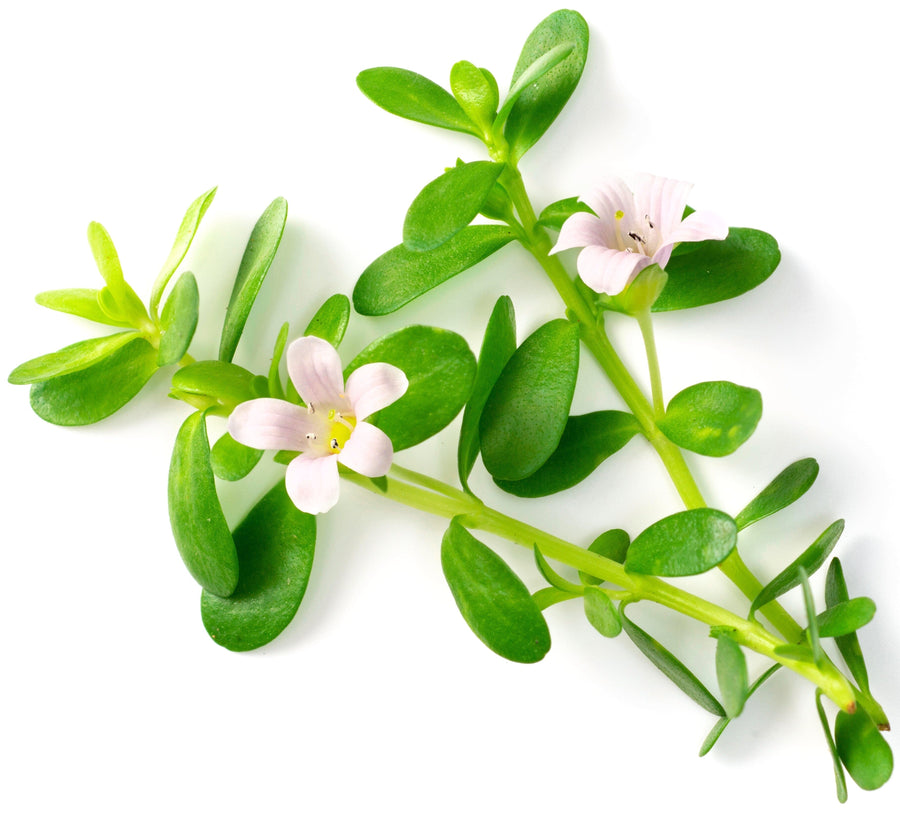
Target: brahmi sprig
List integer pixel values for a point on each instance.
(641, 251)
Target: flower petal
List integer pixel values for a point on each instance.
(581, 230)
(609, 271)
(271, 424)
(368, 451)
(663, 201)
(700, 226)
(312, 483)
(315, 369)
(373, 386)
(609, 197)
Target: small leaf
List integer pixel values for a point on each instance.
(713, 418)
(448, 204)
(556, 214)
(542, 65)
(848, 645)
(275, 388)
(810, 560)
(69, 359)
(612, 544)
(863, 750)
(179, 320)
(839, 779)
(786, 488)
(331, 319)
(716, 732)
(528, 408)
(845, 618)
(226, 383)
(401, 275)
(706, 272)
(492, 599)
(812, 631)
(412, 96)
(601, 613)
(232, 460)
(198, 524)
(258, 257)
(81, 302)
(587, 441)
(128, 306)
(731, 671)
(476, 92)
(552, 577)
(683, 544)
(89, 395)
(275, 545)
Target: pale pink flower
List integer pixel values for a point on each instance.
(330, 429)
(631, 231)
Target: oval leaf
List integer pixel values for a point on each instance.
(716, 732)
(835, 595)
(683, 544)
(81, 302)
(331, 319)
(612, 544)
(846, 617)
(863, 750)
(556, 214)
(255, 263)
(713, 418)
(275, 545)
(731, 672)
(69, 359)
(601, 613)
(179, 320)
(227, 383)
(232, 460)
(476, 92)
(492, 599)
(785, 489)
(198, 524)
(127, 305)
(528, 408)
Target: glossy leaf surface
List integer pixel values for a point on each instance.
(179, 320)
(81, 302)
(845, 618)
(555, 215)
(612, 544)
(786, 488)
(125, 302)
(601, 612)
(227, 383)
(331, 320)
(476, 92)
(232, 460)
(69, 359)
(863, 750)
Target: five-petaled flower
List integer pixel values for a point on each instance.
(329, 429)
(631, 231)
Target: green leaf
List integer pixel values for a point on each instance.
(835, 595)
(331, 319)
(528, 408)
(182, 243)
(812, 631)
(839, 779)
(496, 350)
(492, 599)
(81, 302)
(412, 96)
(232, 460)
(69, 359)
(683, 544)
(476, 92)
(845, 618)
(671, 667)
(198, 524)
(556, 214)
(552, 577)
(275, 388)
(448, 204)
(713, 418)
(731, 672)
(540, 104)
(89, 395)
(401, 275)
(541, 66)
(258, 257)
(275, 545)
(710, 271)
(612, 544)
(179, 320)
(863, 750)
(128, 307)
(716, 732)
(587, 440)
(601, 613)
(786, 488)
(810, 560)
(440, 368)
(226, 383)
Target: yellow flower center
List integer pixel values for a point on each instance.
(339, 430)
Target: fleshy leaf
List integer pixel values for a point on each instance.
(552, 577)
(198, 524)
(275, 545)
(556, 214)
(731, 672)
(713, 418)
(601, 612)
(683, 544)
(81, 302)
(786, 488)
(613, 544)
(69, 359)
(127, 306)
(528, 408)
(255, 263)
(492, 599)
(232, 460)
(537, 69)
(400, 275)
(812, 630)
(836, 594)
(226, 383)
(275, 387)
(476, 92)
(716, 732)
(839, 779)
(845, 617)
(863, 750)
(179, 320)
(331, 319)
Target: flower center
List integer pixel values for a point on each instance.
(639, 238)
(339, 430)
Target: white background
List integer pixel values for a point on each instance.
(378, 699)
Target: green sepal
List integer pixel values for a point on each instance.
(839, 780)
(226, 383)
(125, 304)
(331, 319)
(231, 460)
(400, 275)
(476, 92)
(198, 524)
(81, 302)
(863, 750)
(179, 320)
(713, 419)
(492, 599)
(275, 544)
(716, 732)
(836, 594)
(731, 672)
(601, 613)
(556, 214)
(69, 359)
(786, 488)
(612, 544)
(255, 263)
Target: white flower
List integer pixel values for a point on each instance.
(330, 429)
(631, 231)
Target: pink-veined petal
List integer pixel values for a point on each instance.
(609, 271)
(373, 386)
(610, 196)
(581, 230)
(312, 483)
(663, 201)
(368, 451)
(700, 226)
(270, 424)
(315, 369)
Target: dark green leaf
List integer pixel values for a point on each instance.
(232, 460)
(440, 368)
(731, 672)
(587, 440)
(812, 631)
(258, 257)
(787, 487)
(401, 275)
(846, 617)
(716, 732)
(541, 103)
(526, 413)
(710, 271)
(198, 525)
(330, 322)
(683, 544)
(496, 350)
(126, 305)
(555, 215)
(601, 613)
(81, 302)
(531, 75)
(713, 418)
(275, 545)
(863, 750)
(836, 594)
(179, 320)
(412, 96)
(69, 359)
(839, 779)
(226, 383)
(612, 544)
(91, 394)
(492, 599)
(448, 204)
